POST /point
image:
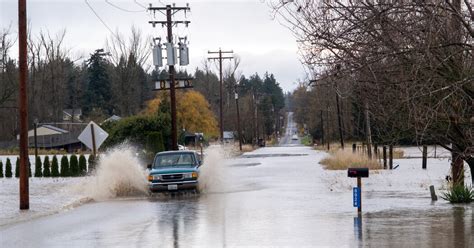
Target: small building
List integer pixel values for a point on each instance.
(53, 137)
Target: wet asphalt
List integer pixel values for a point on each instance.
(272, 197)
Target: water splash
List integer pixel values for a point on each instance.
(213, 174)
(119, 173)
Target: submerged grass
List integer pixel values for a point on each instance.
(343, 159)
(459, 194)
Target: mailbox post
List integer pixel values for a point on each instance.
(357, 192)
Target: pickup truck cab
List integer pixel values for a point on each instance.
(174, 170)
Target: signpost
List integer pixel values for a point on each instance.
(93, 136)
(357, 191)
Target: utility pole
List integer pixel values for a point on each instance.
(220, 58)
(170, 11)
(322, 127)
(368, 132)
(239, 133)
(23, 108)
(339, 118)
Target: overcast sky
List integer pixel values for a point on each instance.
(246, 27)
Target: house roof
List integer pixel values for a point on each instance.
(46, 130)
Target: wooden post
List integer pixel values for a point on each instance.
(385, 157)
(390, 157)
(359, 185)
(425, 155)
(354, 147)
(94, 150)
(434, 197)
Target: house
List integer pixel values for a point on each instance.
(60, 136)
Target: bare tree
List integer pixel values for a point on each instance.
(410, 61)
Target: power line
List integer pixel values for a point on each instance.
(141, 5)
(98, 17)
(123, 9)
(103, 22)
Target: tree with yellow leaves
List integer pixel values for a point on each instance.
(193, 112)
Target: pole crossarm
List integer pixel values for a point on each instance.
(216, 58)
(169, 11)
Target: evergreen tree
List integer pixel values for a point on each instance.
(1, 169)
(64, 166)
(82, 165)
(38, 167)
(74, 166)
(55, 167)
(97, 96)
(8, 168)
(17, 167)
(46, 167)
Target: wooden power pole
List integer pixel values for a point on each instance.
(170, 11)
(220, 58)
(23, 105)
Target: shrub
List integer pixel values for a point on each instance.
(459, 194)
(55, 167)
(74, 166)
(17, 167)
(343, 159)
(91, 161)
(307, 140)
(8, 168)
(82, 165)
(1, 169)
(46, 167)
(38, 167)
(64, 166)
(154, 144)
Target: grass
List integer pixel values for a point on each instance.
(459, 194)
(344, 159)
(307, 140)
(336, 146)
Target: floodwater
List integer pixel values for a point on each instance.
(277, 197)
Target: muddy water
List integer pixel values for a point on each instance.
(262, 200)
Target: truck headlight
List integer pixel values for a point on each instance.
(190, 175)
(153, 177)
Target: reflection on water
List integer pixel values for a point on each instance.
(414, 228)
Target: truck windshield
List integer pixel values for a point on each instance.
(178, 160)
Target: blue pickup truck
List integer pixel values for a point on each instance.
(174, 170)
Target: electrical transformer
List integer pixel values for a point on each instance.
(157, 56)
(183, 54)
(171, 53)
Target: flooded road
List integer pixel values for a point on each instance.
(273, 197)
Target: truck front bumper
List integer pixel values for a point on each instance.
(173, 186)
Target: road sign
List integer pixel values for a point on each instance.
(356, 197)
(86, 136)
